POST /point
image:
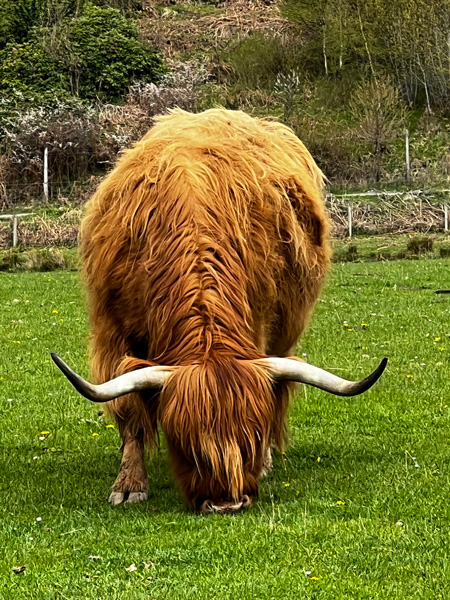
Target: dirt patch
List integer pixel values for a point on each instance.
(173, 31)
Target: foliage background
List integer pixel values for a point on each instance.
(348, 76)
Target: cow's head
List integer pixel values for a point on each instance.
(219, 419)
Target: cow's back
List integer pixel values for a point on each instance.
(208, 236)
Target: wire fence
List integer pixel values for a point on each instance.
(366, 213)
(381, 212)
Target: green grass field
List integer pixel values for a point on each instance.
(356, 508)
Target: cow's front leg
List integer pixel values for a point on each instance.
(131, 484)
(135, 413)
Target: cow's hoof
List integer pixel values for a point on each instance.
(116, 498)
(135, 497)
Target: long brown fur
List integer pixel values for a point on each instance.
(206, 248)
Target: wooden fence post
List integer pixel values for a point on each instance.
(14, 220)
(15, 236)
(46, 172)
(445, 217)
(408, 166)
(350, 219)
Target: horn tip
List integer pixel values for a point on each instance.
(369, 381)
(60, 363)
(383, 364)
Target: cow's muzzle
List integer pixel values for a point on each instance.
(225, 506)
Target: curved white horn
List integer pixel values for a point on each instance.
(280, 369)
(141, 379)
(295, 370)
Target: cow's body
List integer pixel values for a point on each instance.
(206, 248)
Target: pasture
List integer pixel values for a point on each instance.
(356, 508)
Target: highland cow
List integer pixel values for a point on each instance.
(204, 251)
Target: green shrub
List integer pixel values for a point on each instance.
(420, 245)
(26, 68)
(257, 60)
(16, 19)
(104, 54)
(444, 251)
(94, 54)
(38, 259)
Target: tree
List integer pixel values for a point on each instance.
(16, 19)
(332, 33)
(408, 39)
(379, 114)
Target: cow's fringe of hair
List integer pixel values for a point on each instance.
(221, 413)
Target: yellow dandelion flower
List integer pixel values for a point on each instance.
(95, 435)
(110, 426)
(45, 432)
(364, 325)
(16, 341)
(409, 376)
(287, 484)
(54, 312)
(340, 502)
(345, 324)
(318, 459)
(437, 339)
(349, 329)
(314, 578)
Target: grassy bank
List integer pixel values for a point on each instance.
(358, 249)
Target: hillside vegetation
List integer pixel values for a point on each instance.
(85, 79)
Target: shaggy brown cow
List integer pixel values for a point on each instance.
(204, 252)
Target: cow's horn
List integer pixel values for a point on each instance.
(295, 370)
(141, 379)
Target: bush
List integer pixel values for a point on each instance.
(16, 19)
(38, 259)
(26, 69)
(259, 59)
(122, 5)
(106, 55)
(70, 132)
(444, 252)
(379, 113)
(326, 137)
(420, 245)
(96, 53)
